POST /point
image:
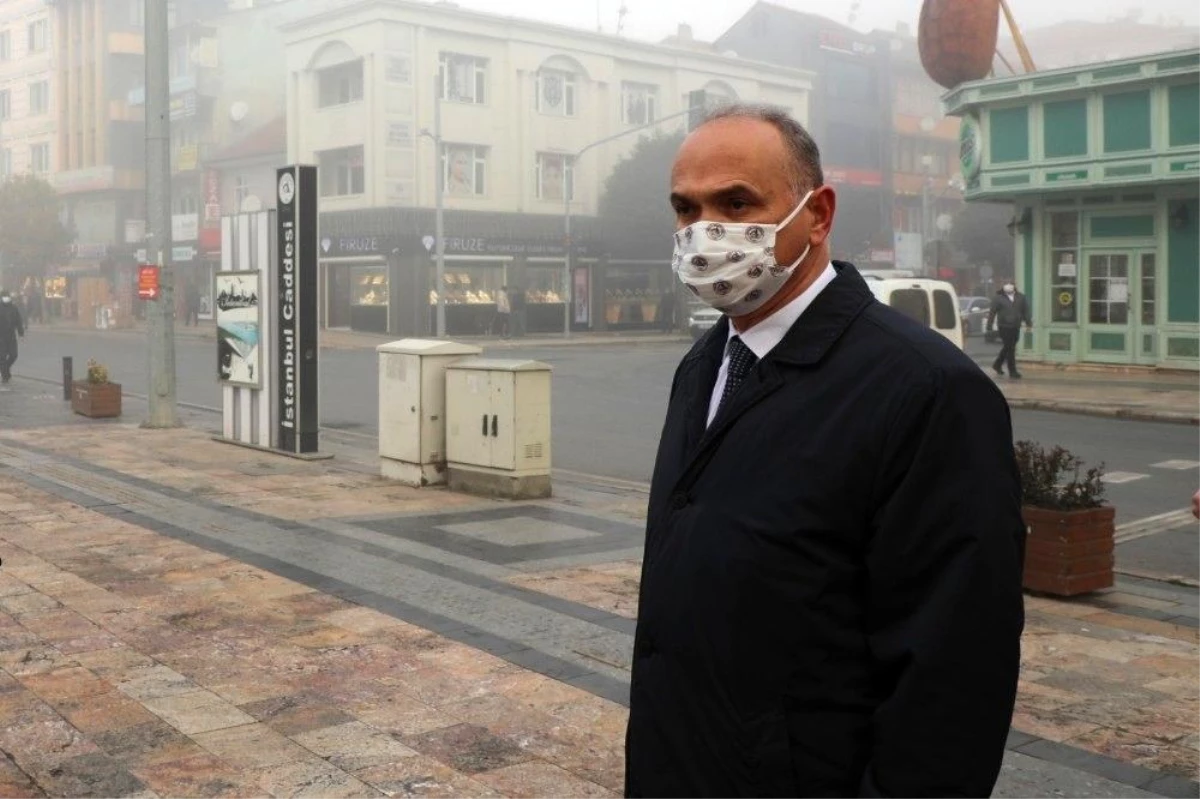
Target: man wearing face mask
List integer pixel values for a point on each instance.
(829, 605)
(11, 326)
(1011, 308)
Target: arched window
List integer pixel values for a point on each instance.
(339, 73)
(557, 90)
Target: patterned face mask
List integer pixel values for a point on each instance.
(732, 266)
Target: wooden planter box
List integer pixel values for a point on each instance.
(1069, 552)
(96, 400)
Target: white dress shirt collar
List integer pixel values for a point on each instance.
(766, 335)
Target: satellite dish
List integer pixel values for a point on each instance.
(944, 222)
(239, 110)
(251, 204)
(928, 124)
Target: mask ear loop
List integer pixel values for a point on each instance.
(803, 202)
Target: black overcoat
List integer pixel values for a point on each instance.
(831, 591)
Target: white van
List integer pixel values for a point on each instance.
(933, 303)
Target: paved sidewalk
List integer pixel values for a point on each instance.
(1161, 396)
(183, 617)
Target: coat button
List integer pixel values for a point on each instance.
(679, 501)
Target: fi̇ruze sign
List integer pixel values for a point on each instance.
(296, 221)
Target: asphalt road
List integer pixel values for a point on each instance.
(609, 403)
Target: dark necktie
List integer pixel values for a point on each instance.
(741, 361)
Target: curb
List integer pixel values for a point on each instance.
(1110, 412)
(1159, 577)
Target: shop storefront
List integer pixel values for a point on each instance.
(1100, 163)
(472, 285)
(355, 283)
(637, 294)
(545, 295)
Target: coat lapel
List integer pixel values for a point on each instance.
(805, 345)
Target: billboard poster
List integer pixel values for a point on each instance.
(238, 324)
(296, 293)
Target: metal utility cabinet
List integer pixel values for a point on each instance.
(498, 427)
(412, 408)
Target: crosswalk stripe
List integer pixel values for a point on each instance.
(1140, 528)
(1116, 478)
(1177, 465)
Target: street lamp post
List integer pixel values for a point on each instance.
(439, 171)
(567, 294)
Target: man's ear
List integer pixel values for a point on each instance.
(823, 205)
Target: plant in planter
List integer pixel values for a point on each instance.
(96, 397)
(1070, 545)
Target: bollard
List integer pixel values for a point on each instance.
(68, 376)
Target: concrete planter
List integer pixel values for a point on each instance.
(96, 400)
(1069, 552)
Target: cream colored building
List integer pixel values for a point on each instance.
(28, 99)
(520, 98)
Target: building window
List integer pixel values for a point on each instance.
(1064, 266)
(464, 78)
(555, 93)
(340, 85)
(342, 172)
(39, 36)
(464, 169)
(639, 103)
(5, 105)
(555, 177)
(241, 190)
(5, 46)
(39, 159)
(39, 98)
(137, 13)
(181, 61)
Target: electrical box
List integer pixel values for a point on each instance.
(412, 408)
(498, 427)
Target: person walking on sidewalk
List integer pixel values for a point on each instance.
(1010, 308)
(192, 303)
(828, 606)
(503, 313)
(11, 327)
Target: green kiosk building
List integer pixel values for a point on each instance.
(1102, 166)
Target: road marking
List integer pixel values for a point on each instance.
(1180, 466)
(1116, 478)
(1151, 525)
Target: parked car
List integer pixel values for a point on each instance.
(933, 303)
(701, 319)
(974, 313)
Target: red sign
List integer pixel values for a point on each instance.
(212, 199)
(853, 177)
(148, 282)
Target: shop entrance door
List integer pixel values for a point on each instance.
(337, 296)
(1121, 307)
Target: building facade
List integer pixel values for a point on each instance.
(926, 179)
(28, 83)
(1101, 164)
(521, 103)
(850, 112)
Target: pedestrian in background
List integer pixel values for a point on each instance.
(503, 313)
(829, 606)
(11, 327)
(192, 303)
(1010, 308)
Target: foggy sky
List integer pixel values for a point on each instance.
(653, 19)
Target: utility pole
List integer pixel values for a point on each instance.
(440, 223)
(160, 315)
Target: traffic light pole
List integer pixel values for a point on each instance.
(160, 314)
(567, 287)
